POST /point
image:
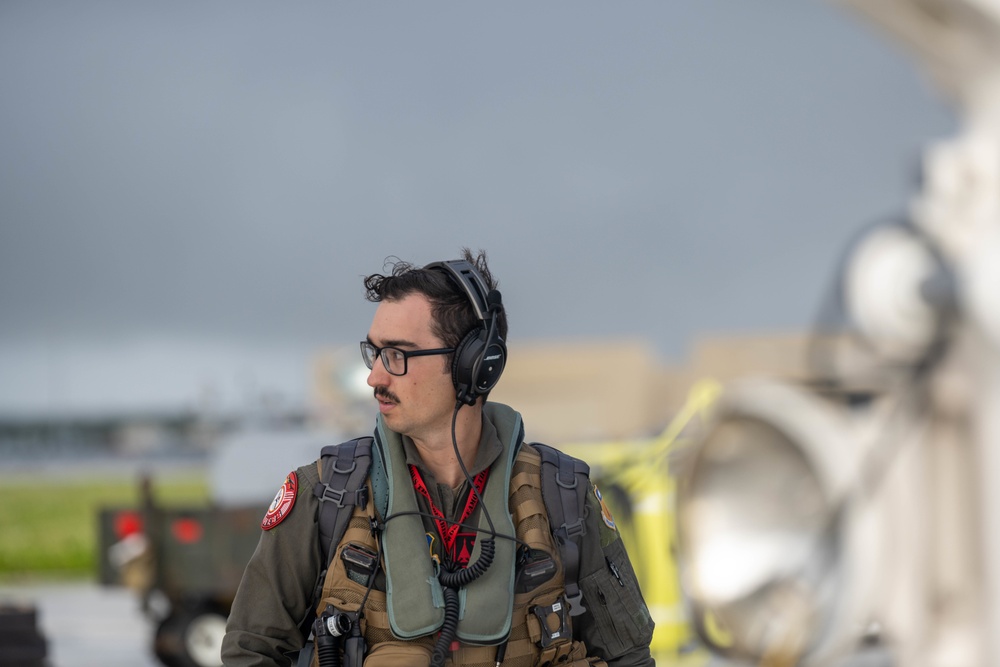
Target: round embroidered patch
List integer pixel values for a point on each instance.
(282, 504)
(609, 520)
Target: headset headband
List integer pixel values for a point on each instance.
(467, 277)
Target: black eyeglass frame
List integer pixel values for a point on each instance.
(378, 352)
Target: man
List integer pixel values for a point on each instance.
(454, 558)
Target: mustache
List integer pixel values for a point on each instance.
(382, 392)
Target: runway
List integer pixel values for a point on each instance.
(87, 625)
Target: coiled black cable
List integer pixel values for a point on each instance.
(448, 628)
(466, 576)
(451, 582)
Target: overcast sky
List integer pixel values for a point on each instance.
(190, 192)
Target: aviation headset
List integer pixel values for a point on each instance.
(481, 355)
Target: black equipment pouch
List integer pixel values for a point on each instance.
(360, 562)
(534, 568)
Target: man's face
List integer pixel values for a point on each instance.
(420, 403)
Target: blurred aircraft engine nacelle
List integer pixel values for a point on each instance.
(816, 520)
(769, 531)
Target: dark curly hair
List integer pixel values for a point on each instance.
(453, 315)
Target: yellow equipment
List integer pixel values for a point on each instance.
(637, 485)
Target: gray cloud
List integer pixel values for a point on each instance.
(186, 178)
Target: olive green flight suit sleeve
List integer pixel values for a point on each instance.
(277, 586)
(617, 626)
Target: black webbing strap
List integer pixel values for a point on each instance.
(341, 488)
(565, 482)
(343, 471)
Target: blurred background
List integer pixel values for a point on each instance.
(190, 194)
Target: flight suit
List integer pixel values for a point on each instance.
(276, 594)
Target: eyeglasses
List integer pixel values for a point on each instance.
(393, 358)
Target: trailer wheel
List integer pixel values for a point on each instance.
(191, 638)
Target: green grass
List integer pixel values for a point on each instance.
(48, 527)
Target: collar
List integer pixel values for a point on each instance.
(490, 449)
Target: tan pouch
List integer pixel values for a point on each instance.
(577, 658)
(398, 654)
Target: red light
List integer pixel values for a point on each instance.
(187, 531)
(127, 523)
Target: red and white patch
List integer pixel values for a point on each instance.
(283, 502)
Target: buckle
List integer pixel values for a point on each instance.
(575, 602)
(342, 497)
(574, 530)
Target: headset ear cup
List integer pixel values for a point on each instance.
(463, 367)
(491, 365)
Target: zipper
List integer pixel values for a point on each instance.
(615, 571)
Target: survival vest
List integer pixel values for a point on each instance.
(546, 495)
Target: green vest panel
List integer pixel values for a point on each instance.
(413, 594)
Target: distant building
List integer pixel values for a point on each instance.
(590, 389)
(567, 390)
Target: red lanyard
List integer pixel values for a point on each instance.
(449, 531)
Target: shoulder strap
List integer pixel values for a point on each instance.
(343, 471)
(565, 482)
